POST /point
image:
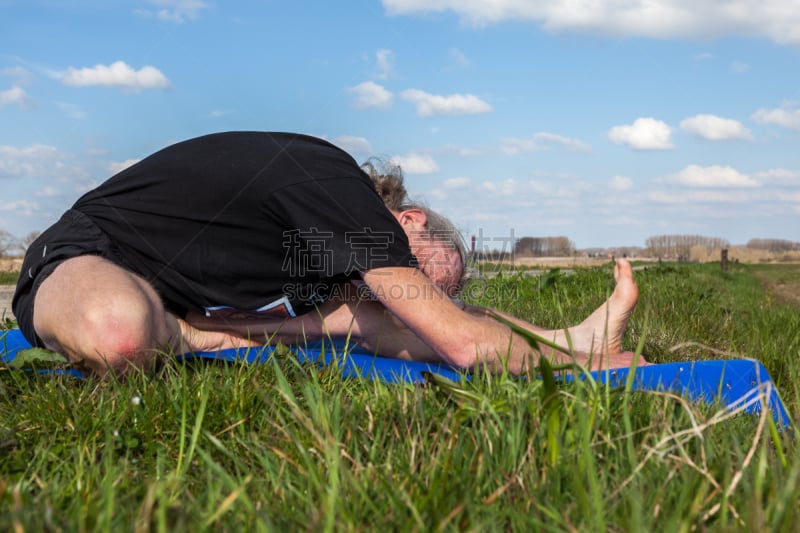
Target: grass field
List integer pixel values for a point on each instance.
(284, 447)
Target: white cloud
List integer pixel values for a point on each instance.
(29, 161)
(86, 186)
(118, 74)
(530, 203)
(539, 142)
(20, 207)
(218, 113)
(72, 110)
(353, 145)
(40, 162)
(489, 186)
(14, 95)
(714, 176)
(779, 176)
(714, 128)
(18, 72)
(385, 63)
(464, 151)
(620, 183)
(459, 182)
(643, 134)
(572, 144)
(790, 197)
(47, 192)
(178, 11)
(786, 116)
(695, 197)
(416, 163)
(737, 67)
(119, 166)
(429, 105)
(778, 20)
(482, 216)
(459, 185)
(371, 95)
(458, 57)
(525, 191)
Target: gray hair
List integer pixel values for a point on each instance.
(388, 180)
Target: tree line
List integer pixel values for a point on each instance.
(662, 246)
(773, 245)
(544, 247)
(11, 246)
(680, 246)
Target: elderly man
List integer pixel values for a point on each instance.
(244, 238)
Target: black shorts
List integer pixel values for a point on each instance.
(73, 235)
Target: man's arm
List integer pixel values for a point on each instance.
(414, 320)
(460, 338)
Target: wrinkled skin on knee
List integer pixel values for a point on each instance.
(102, 316)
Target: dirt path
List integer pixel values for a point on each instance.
(782, 282)
(6, 292)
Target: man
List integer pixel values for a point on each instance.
(244, 238)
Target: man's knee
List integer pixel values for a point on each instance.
(120, 331)
(94, 311)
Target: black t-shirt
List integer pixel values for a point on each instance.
(245, 223)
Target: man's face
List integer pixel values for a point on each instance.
(439, 261)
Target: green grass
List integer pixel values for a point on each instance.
(283, 446)
(8, 278)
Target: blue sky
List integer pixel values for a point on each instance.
(607, 121)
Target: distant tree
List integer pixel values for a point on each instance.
(561, 247)
(26, 241)
(8, 243)
(493, 255)
(526, 246)
(773, 245)
(680, 246)
(544, 247)
(628, 251)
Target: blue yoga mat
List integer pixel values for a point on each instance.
(735, 383)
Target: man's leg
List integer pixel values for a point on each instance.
(94, 311)
(371, 325)
(602, 331)
(363, 322)
(599, 335)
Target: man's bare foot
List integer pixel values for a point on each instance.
(197, 340)
(602, 331)
(617, 360)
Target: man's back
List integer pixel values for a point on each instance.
(210, 222)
